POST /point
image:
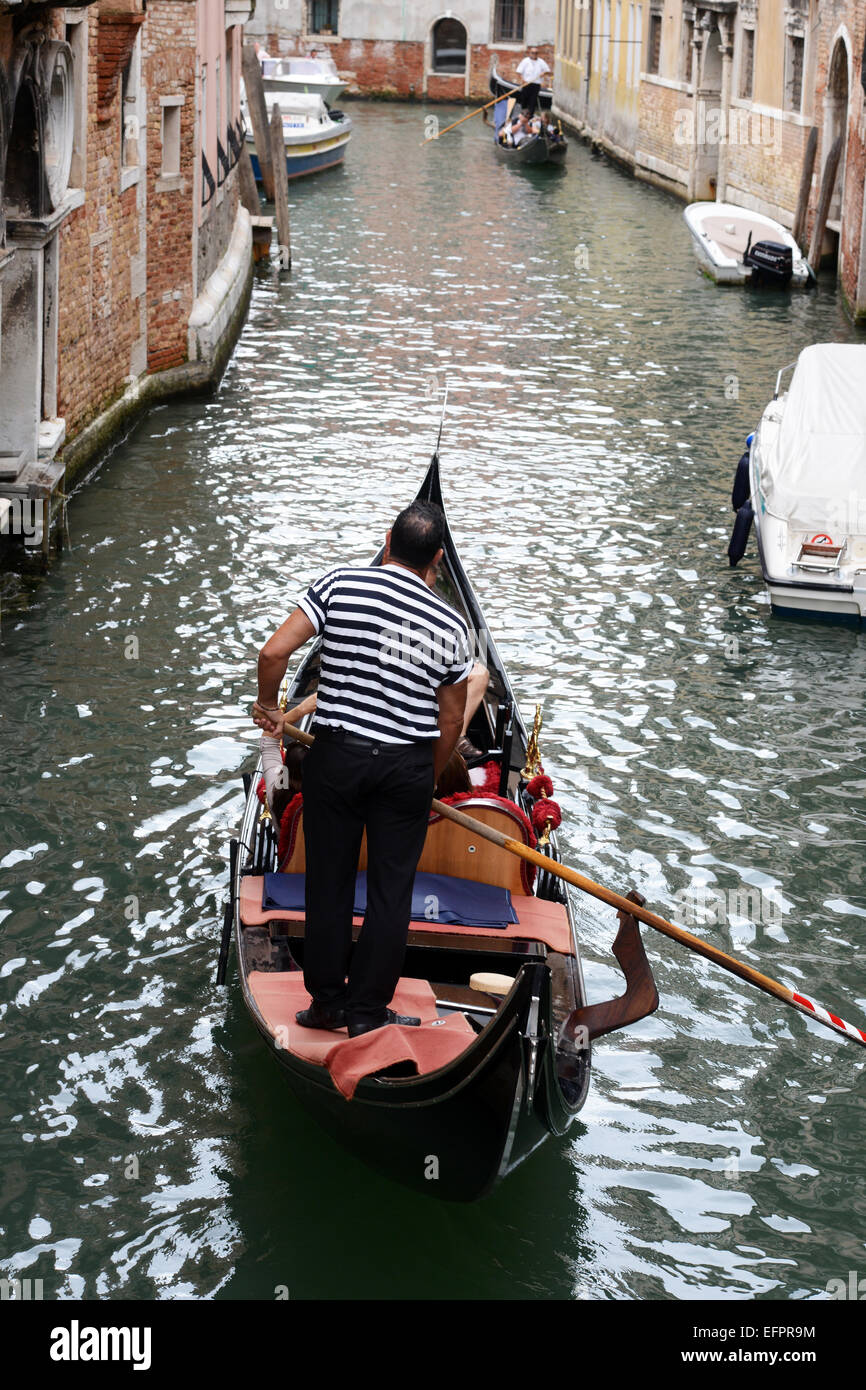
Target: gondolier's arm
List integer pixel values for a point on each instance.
(274, 655)
(452, 707)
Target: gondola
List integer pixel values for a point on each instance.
(541, 149)
(501, 87)
(506, 1059)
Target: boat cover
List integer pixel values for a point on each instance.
(814, 472)
(297, 103)
(435, 897)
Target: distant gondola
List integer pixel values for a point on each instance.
(497, 1071)
(542, 148)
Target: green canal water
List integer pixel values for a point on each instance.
(600, 391)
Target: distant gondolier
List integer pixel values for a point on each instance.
(392, 691)
(532, 71)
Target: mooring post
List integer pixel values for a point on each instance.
(258, 109)
(823, 212)
(281, 187)
(247, 184)
(799, 232)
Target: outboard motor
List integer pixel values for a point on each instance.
(770, 260)
(742, 504)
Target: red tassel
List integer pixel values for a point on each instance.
(540, 785)
(544, 811)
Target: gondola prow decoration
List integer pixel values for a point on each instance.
(533, 756)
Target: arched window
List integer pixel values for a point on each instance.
(449, 46)
(24, 158)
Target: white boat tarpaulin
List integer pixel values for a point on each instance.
(814, 475)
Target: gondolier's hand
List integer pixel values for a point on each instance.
(270, 721)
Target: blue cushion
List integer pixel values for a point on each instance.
(438, 898)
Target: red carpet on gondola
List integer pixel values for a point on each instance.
(280, 994)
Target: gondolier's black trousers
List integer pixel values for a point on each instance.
(529, 96)
(350, 785)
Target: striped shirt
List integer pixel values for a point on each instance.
(388, 643)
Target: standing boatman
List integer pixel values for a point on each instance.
(391, 697)
(531, 70)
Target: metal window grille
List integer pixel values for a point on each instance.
(509, 21)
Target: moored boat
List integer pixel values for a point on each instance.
(316, 74)
(502, 1057)
(314, 137)
(805, 476)
(735, 246)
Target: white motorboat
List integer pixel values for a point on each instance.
(314, 137)
(805, 476)
(316, 76)
(735, 246)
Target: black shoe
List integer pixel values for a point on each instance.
(467, 750)
(317, 1016)
(360, 1026)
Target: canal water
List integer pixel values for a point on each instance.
(599, 394)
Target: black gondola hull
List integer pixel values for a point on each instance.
(454, 1132)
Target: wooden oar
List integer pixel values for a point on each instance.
(513, 95)
(650, 919)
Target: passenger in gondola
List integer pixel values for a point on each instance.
(521, 131)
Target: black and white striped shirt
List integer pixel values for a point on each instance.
(388, 643)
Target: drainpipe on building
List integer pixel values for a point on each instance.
(591, 9)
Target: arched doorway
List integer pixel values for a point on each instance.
(448, 43)
(708, 117)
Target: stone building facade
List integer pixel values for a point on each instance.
(125, 257)
(717, 100)
(410, 48)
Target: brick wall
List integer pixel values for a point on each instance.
(657, 142)
(99, 318)
(396, 69)
(765, 159)
(169, 67)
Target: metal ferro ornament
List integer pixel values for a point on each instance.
(533, 756)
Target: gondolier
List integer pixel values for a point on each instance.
(531, 70)
(392, 690)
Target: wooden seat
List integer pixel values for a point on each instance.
(538, 921)
(449, 849)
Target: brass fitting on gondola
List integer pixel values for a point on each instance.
(533, 756)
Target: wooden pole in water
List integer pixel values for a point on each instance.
(258, 109)
(247, 184)
(827, 185)
(281, 188)
(799, 232)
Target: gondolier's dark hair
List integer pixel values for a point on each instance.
(417, 534)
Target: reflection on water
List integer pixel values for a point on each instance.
(599, 393)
